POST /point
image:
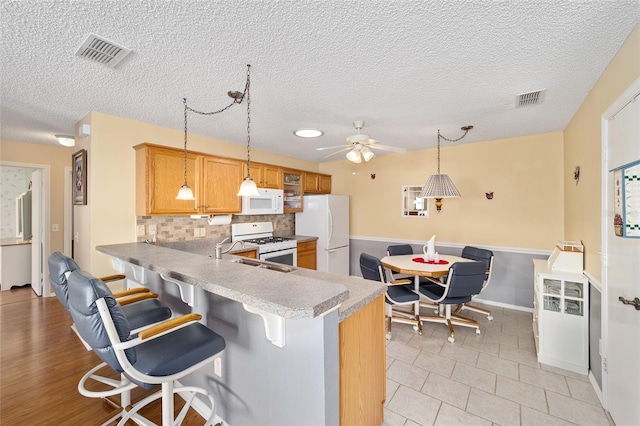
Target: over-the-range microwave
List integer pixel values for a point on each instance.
(268, 202)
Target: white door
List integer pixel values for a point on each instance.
(621, 271)
(36, 224)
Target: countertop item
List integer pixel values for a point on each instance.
(13, 242)
(299, 294)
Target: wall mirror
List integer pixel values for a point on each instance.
(412, 204)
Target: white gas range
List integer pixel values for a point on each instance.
(274, 249)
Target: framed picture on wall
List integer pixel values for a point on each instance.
(626, 206)
(80, 177)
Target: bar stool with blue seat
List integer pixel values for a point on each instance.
(398, 293)
(160, 354)
(140, 306)
(464, 281)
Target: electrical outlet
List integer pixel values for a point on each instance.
(217, 366)
(153, 229)
(140, 231)
(196, 232)
(203, 232)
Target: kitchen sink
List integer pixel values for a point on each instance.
(264, 265)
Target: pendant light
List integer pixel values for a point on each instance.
(185, 193)
(248, 186)
(440, 186)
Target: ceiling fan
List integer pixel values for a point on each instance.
(360, 146)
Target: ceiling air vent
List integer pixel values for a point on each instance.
(99, 50)
(530, 98)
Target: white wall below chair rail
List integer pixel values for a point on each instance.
(512, 280)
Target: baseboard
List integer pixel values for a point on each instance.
(502, 305)
(596, 388)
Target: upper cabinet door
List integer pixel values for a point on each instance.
(159, 176)
(265, 175)
(221, 180)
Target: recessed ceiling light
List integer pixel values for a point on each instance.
(308, 133)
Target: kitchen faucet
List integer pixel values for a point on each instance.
(219, 251)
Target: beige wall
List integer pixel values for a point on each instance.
(525, 175)
(110, 217)
(57, 157)
(582, 147)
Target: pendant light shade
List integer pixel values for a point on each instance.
(185, 193)
(248, 187)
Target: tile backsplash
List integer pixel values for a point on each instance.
(182, 228)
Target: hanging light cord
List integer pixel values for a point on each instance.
(237, 99)
(466, 130)
(246, 90)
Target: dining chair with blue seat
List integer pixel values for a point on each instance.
(161, 354)
(482, 255)
(399, 292)
(406, 249)
(464, 281)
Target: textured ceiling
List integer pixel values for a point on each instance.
(407, 68)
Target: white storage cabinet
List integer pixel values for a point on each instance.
(561, 318)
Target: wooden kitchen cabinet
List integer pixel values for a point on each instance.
(265, 175)
(221, 179)
(307, 255)
(252, 254)
(317, 183)
(160, 174)
(363, 366)
(293, 183)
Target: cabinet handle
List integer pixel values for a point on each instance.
(635, 302)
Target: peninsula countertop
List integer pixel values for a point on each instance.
(299, 294)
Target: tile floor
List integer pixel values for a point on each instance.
(488, 379)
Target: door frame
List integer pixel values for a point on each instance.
(628, 96)
(46, 217)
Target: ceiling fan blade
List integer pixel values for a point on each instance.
(338, 152)
(331, 147)
(387, 148)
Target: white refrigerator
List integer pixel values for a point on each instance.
(327, 217)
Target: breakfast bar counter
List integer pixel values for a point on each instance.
(294, 339)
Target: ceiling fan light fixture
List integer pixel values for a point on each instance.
(367, 154)
(308, 133)
(354, 156)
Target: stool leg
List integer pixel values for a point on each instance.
(167, 403)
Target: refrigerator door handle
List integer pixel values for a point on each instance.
(330, 227)
(330, 250)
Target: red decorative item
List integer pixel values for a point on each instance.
(489, 195)
(373, 175)
(430, 262)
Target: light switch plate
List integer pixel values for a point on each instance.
(153, 229)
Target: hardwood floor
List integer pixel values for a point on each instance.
(41, 363)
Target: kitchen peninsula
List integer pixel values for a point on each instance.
(303, 347)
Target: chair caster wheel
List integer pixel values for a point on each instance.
(490, 318)
(477, 331)
(388, 336)
(415, 328)
(451, 339)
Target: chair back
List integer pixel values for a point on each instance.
(481, 255)
(465, 279)
(399, 249)
(84, 290)
(59, 267)
(371, 268)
